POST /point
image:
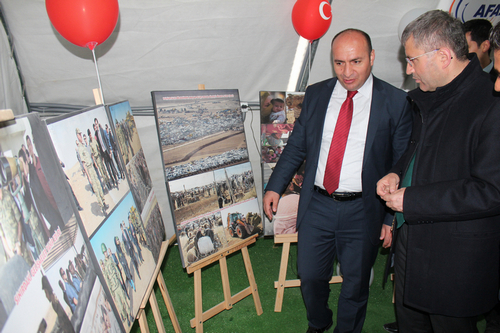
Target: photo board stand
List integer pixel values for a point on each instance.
(282, 283)
(229, 300)
(151, 298)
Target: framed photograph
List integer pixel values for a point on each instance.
(274, 107)
(46, 269)
(125, 260)
(207, 170)
(200, 130)
(94, 172)
(127, 142)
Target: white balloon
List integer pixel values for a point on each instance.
(408, 17)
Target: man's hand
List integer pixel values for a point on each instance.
(387, 185)
(271, 200)
(395, 200)
(386, 235)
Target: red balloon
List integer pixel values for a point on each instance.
(311, 18)
(83, 22)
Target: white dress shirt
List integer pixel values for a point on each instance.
(352, 164)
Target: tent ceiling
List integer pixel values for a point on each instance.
(178, 44)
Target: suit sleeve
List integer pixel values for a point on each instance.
(400, 143)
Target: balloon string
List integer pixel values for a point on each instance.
(309, 50)
(98, 76)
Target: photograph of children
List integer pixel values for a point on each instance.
(193, 196)
(275, 135)
(272, 107)
(100, 316)
(55, 293)
(279, 107)
(199, 130)
(242, 220)
(201, 237)
(234, 184)
(126, 263)
(88, 158)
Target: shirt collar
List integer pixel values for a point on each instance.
(365, 90)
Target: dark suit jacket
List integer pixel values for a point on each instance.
(453, 204)
(389, 129)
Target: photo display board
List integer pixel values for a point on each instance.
(47, 275)
(208, 174)
(101, 155)
(278, 112)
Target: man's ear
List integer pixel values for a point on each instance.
(445, 56)
(485, 46)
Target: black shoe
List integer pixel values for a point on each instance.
(391, 327)
(319, 330)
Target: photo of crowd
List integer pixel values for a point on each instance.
(91, 162)
(201, 237)
(34, 211)
(141, 185)
(234, 184)
(125, 258)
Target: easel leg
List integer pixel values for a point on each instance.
(168, 303)
(225, 283)
(198, 303)
(251, 280)
(156, 313)
(282, 277)
(143, 321)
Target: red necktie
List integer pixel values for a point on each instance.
(337, 148)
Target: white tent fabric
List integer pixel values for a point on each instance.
(11, 94)
(178, 44)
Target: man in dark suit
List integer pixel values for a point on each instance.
(344, 220)
(106, 149)
(447, 236)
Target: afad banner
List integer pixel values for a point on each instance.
(466, 10)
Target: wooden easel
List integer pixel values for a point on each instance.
(282, 282)
(149, 296)
(6, 115)
(229, 299)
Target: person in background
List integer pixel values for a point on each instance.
(477, 33)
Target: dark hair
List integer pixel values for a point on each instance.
(495, 37)
(279, 100)
(479, 30)
(364, 34)
(22, 155)
(46, 284)
(435, 29)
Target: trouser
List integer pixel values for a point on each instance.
(329, 230)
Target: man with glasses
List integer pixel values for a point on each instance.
(445, 189)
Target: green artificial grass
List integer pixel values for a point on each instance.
(265, 257)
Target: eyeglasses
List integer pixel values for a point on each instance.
(410, 60)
